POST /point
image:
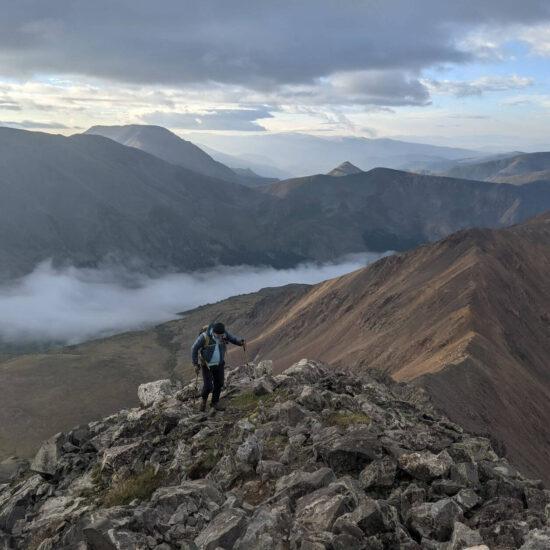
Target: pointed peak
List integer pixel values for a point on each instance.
(345, 169)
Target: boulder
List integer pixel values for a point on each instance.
(464, 537)
(435, 520)
(250, 451)
(465, 474)
(13, 505)
(467, 499)
(472, 449)
(263, 368)
(155, 392)
(312, 399)
(298, 483)
(223, 531)
(351, 452)
(263, 386)
(538, 539)
(289, 413)
(307, 371)
(317, 511)
(270, 469)
(267, 527)
(426, 466)
(47, 460)
(115, 458)
(379, 473)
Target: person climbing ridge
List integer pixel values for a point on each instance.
(208, 355)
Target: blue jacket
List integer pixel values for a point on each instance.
(201, 341)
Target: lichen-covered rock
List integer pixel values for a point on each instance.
(319, 510)
(379, 473)
(464, 537)
(155, 392)
(426, 466)
(223, 530)
(538, 539)
(435, 520)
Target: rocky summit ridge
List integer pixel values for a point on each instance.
(309, 459)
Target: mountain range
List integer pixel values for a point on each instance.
(464, 318)
(303, 154)
(516, 169)
(87, 200)
(167, 146)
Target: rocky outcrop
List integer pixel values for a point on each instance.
(324, 460)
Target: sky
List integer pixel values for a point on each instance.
(472, 74)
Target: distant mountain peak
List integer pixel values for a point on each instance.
(345, 169)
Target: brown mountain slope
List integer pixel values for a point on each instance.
(467, 317)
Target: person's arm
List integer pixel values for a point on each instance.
(233, 339)
(199, 343)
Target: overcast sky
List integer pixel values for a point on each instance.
(472, 73)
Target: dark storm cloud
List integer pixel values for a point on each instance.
(256, 44)
(222, 119)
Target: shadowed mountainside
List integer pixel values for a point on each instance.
(517, 169)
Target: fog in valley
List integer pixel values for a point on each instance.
(71, 305)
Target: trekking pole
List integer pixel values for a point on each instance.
(196, 385)
(245, 354)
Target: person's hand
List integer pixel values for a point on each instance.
(197, 369)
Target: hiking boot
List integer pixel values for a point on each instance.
(203, 406)
(217, 406)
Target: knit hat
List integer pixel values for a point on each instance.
(218, 328)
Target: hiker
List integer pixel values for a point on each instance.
(209, 351)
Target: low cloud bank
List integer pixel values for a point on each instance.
(72, 305)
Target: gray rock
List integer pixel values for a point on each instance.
(434, 520)
(47, 459)
(538, 539)
(115, 458)
(374, 517)
(155, 392)
(379, 473)
(425, 465)
(467, 499)
(464, 537)
(351, 452)
(298, 483)
(312, 399)
(263, 386)
(270, 469)
(223, 531)
(307, 371)
(472, 449)
(289, 413)
(317, 511)
(250, 452)
(411, 496)
(14, 505)
(267, 528)
(263, 368)
(465, 473)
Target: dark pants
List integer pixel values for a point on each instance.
(212, 379)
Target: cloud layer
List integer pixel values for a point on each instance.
(258, 45)
(72, 305)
